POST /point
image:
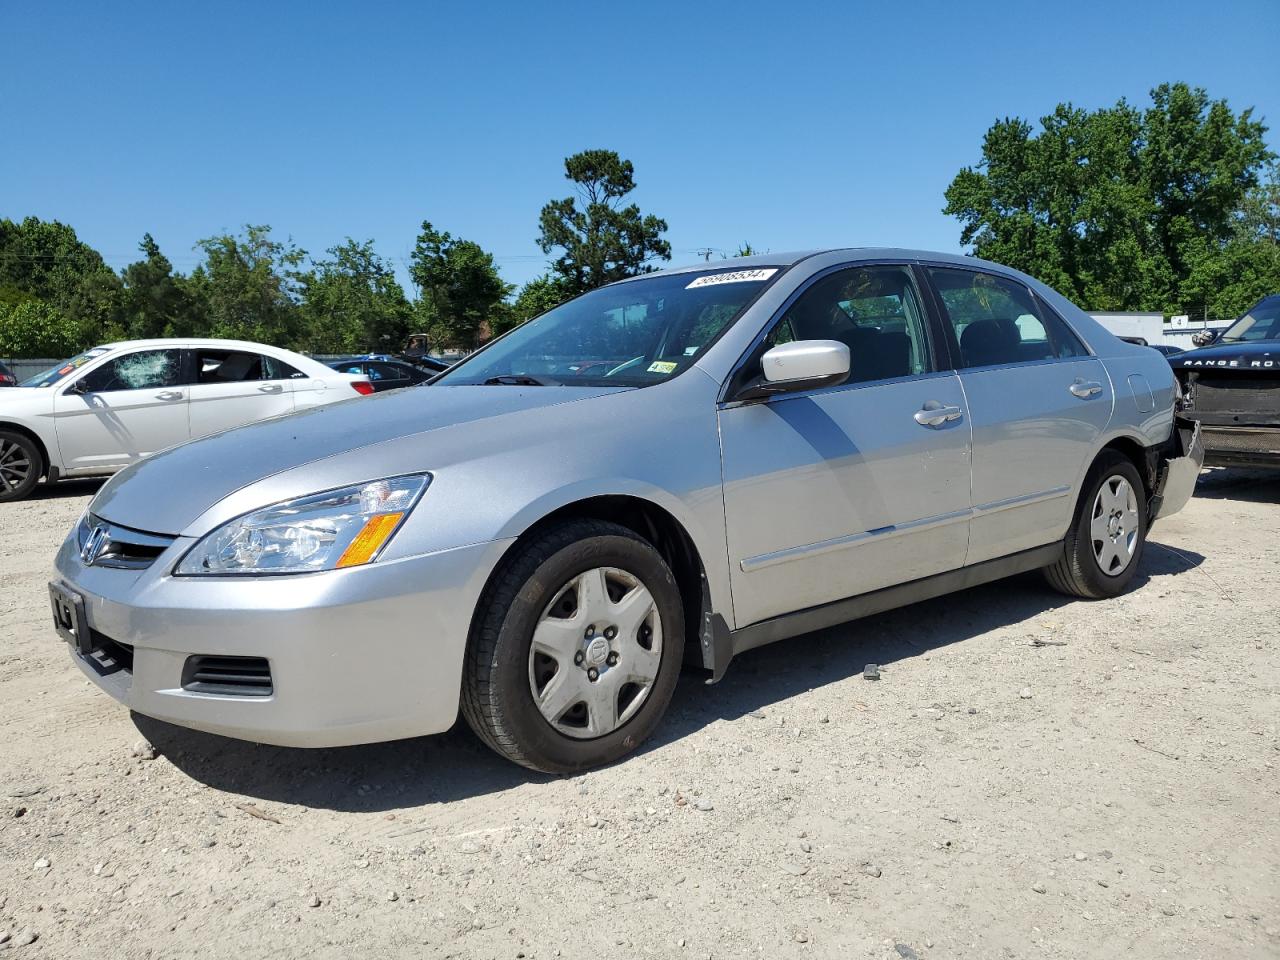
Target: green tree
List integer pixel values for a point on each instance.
(33, 328)
(600, 239)
(1118, 207)
(248, 288)
(46, 261)
(460, 291)
(352, 302)
(537, 297)
(154, 300)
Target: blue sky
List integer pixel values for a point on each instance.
(788, 125)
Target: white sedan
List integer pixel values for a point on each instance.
(115, 404)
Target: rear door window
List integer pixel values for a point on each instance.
(999, 321)
(239, 366)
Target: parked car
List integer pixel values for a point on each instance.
(387, 373)
(1161, 348)
(7, 379)
(1232, 387)
(793, 441)
(115, 404)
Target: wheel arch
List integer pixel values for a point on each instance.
(1143, 457)
(49, 466)
(658, 526)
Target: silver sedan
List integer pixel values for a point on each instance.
(671, 469)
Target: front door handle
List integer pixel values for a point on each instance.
(169, 395)
(935, 414)
(1084, 389)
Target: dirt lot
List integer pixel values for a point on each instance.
(1114, 791)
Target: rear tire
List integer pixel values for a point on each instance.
(1104, 546)
(21, 465)
(578, 694)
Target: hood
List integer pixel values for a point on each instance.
(1250, 356)
(166, 492)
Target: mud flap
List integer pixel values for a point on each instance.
(1179, 471)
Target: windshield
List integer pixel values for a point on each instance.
(47, 378)
(634, 334)
(1260, 323)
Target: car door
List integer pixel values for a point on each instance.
(230, 388)
(1037, 402)
(840, 491)
(130, 405)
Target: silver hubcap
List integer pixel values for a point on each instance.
(15, 465)
(1114, 526)
(595, 653)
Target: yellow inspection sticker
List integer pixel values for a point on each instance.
(662, 366)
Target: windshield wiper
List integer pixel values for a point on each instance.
(517, 380)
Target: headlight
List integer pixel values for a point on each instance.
(328, 531)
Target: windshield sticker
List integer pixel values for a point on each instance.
(736, 276)
(662, 366)
(690, 351)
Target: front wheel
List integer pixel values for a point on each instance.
(575, 650)
(21, 465)
(1104, 546)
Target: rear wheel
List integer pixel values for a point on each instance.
(1104, 546)
(21, 465)
(576, 648)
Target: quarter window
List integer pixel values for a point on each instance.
(999, 321)
(873, 310)
(143, 370)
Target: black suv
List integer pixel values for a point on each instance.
(1232, 386)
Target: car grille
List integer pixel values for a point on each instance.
(104, 544)
(227, 676)
(1242, 440)
(1239, 394)
(109, 656)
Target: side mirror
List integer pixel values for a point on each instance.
(799, 365)
(80, 388)
(1204, 337)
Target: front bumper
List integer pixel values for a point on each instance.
(361, 655)
(1242, 446)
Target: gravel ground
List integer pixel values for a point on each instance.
(1030, 778)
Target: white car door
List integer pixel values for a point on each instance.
(230, 388)
(129, 406)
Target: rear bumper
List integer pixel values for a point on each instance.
(1179, 469)
(355, 656)
(1248, 446)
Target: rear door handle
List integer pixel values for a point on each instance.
(169, 395)
(935, 414)
(271, 388)
(1084, 389)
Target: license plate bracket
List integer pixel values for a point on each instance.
(70, 619)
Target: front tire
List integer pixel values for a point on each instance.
(1104, 546)
(575, 649)
(21, 465)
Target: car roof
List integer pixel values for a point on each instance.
(193, 342)
(791, 258)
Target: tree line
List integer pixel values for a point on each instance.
(1173, 207)
(58, 295)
